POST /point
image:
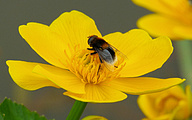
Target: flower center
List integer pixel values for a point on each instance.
(167, 104)
(88, 68)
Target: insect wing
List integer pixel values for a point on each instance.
(106, 58)
(119, 52)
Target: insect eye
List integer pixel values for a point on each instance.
(91, 38)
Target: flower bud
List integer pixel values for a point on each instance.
(171, 104)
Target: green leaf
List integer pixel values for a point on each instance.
(12, 111)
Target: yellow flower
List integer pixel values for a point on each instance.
(64, 45)
(173, 18)
(171, 104)
(94, 117)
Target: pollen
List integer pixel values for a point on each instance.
(88, 68)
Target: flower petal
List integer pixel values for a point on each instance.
(98, 94)
(63, 78)
(189, 97)
(165, 104)
(48, 44)
(67, 31)
(167, 7)
(146, 106)
(182, 111)
(21, 73)
(75, 27)
(158, 25)
(94, 117)
(144, 53)
(184, 32)
(143, 85)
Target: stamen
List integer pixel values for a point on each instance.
(88, 68)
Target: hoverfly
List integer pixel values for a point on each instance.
(106, 52)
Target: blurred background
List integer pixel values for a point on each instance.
(109, 15)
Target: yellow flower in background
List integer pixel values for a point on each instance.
(63, 44)
(173, 18)
(94, 117)
(171, 104)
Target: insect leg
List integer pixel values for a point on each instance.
(90, 49)
(93, 53)
(100, 60)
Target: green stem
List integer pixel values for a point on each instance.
(76, 110)
(184, 50)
